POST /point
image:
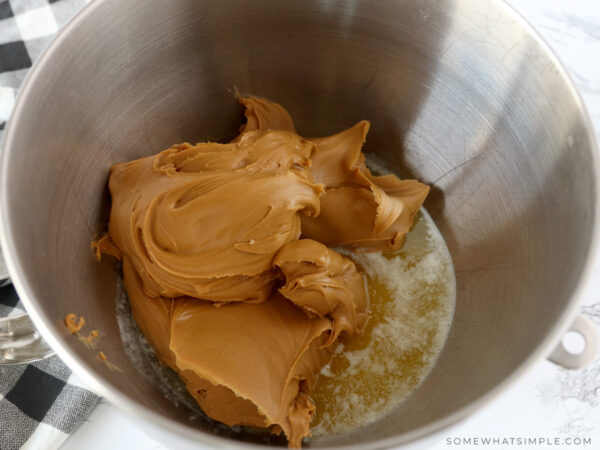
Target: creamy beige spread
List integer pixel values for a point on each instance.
(227, 266)
(75, 324)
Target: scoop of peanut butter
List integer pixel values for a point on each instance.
(244, 363)
(227, 266)
(324, 284)
(358, 210)
(207, 220)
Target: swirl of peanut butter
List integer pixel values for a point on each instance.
(207, 220)
(245, 363)
(358, 210)
(324, 284)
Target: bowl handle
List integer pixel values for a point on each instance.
(20, 342)
(590, 333)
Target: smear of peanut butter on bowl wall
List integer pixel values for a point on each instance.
(75, 324)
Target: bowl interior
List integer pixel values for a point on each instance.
(460, 95)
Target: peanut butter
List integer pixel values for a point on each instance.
(358, 210)
(73, 323)
(324, 284)
(227, 266)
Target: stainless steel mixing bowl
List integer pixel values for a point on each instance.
(462, 94)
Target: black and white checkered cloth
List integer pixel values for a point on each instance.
(26, 27)
(40, 403)
(43, 402)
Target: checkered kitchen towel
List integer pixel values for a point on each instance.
(26, 27)
(43, 402)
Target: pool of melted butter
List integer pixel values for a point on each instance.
(412, 295)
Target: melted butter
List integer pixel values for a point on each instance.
(412, 294)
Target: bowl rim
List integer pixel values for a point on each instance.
(135, 409)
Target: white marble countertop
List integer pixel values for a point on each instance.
(549, 403)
